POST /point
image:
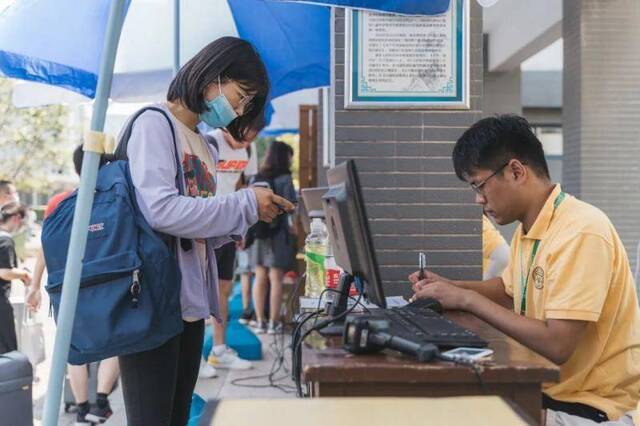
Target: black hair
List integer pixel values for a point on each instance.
(77, 159)
(492, 142)
(228, 58)
(4, 186)
(78, 155)
(276, 161)
(11, 209)
(257, 126)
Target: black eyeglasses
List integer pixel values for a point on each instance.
(477, 187)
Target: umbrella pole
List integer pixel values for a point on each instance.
(81, 217)
(176, 36)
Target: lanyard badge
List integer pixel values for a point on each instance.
(524, 280)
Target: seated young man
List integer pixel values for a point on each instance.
(568, 291)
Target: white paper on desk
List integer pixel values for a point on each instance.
(392, 302)
(311, 303)
(396, 302)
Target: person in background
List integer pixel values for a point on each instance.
(108, 369)
(495, 250)
(8, 193)
(99, 412)
(12, 215)
(275, 255)
(225, 82)
(233, 159)
(244, 268)
(567, 293)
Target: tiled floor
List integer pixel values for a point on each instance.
(220, 387)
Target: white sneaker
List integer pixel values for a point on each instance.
(229, 359)
(274, 328)
(207, 371)
(258, 327)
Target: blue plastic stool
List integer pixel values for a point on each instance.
(239, 337)
(197, 406)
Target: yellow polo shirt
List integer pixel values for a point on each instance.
(491, 239)
(581, 272)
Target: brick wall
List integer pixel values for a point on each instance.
(413, 198)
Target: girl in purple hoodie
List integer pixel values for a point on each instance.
(225, 83)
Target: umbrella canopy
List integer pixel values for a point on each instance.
(65, 45)
(62, 46)
(292, 39)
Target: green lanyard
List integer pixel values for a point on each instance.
(525, 280)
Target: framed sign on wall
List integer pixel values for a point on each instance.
(402, 61)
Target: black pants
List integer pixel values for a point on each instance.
(8, 341)
(574, 408)
(158, 384)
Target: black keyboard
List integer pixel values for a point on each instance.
(426, 325)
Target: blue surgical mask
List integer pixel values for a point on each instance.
(219, 111)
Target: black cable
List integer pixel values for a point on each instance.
(295, 337)
(278, 348)
(289, 303)
(356, 301)
(297, 355)
(278, 364)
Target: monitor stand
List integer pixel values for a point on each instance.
(338, 306)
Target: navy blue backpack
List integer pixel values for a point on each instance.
(129, 298)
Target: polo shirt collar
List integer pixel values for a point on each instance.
(543, 220)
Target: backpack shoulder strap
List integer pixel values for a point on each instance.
(121, 151)
(121, 154)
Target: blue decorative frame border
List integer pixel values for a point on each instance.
(459, 101)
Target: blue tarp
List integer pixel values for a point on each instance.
(59, 42)
(56, 42)
(293, 41)
(410, 7)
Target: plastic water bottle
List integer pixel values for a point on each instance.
(315, 246)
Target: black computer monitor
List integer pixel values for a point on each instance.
(348, 227)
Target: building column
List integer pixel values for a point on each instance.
(502, 89)
(601, 110)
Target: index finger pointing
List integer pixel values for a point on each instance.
(283, 203)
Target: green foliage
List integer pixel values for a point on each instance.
(31, 142)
